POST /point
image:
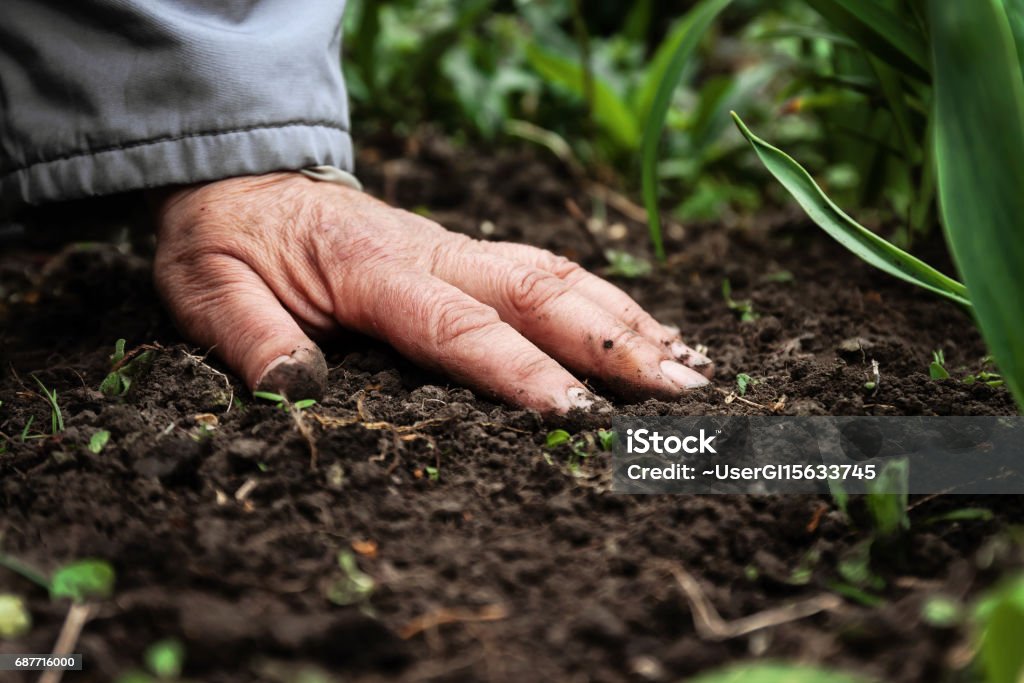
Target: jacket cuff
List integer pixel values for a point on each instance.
(178, 160)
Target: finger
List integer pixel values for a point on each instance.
(568, 326)
(441, 327)
(221, 303)
(609, 297)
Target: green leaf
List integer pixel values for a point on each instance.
(692, 28)
(623, 264)
(1001, 618)
(353, 586)
(269, 396)
(165, 658)
(557, 437)
(962, 515)
(304, 403)
(879, 31)
(83, 580)
(887, 497)
(775, 673)
(99, 440)
(606, 437)
(979, 150)
(743, 381)
(15, 620)
(867, 245)
(609, 110)
(941, 611)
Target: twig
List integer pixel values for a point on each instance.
(711, 626)
(76, 619)
(444, 616)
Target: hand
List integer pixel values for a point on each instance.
(256, 266)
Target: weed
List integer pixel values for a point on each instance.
(165, 658)
(889, 510)
(580, 447)
(937, 368)
(353, 587)
(624, 264)
(56, 417)
(282, 403)
(80, 580)
(433, 474)
(743, 309)
(99, 440)
(744, 382)
(606, 437)
(28, 426)
(125, 369)
(15, 620)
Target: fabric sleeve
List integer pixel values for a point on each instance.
(106, 96)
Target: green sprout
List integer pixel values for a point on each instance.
(124, 369)
(992, 379)
(15, 620)
(606, 437)
(80, 580)
(433, 474)
(623, 264)
(744, 382)
(282, 403)
(354, 586)
(743, 309)
(165, 658)
(580, 447)
(937, 368)
(56, 417)
(99, 440)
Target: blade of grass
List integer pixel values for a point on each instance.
(879, 31)
(609, 110)
(867, 245)
(693, 27)
(979, 149)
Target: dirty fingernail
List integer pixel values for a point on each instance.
(682, 376)
(685, 354)
(588, 401)
(301, 375)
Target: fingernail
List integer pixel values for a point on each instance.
(682, 376)
(685, 354)
(580, 398)
(301, 375)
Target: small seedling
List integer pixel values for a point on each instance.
(56, 417)
(941, 612)
(937, 368)
(578, 447)
(80, 580)
(281, 402)
(83, 580)
(624, 264)
(744, 382)
(165, 658)
(15, 620)
(27, 427)
(433, 474)
(887, 498)
(124, 369)
(992, 379)
(99, 440)
(606, 437)
(354, 586)
(743, 309)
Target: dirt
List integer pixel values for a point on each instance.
(491, 558)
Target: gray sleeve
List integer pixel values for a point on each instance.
(107, 96)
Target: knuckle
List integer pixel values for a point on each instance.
(532, 289)
(563, 268)
(456, 319)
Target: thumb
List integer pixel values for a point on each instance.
(220, 302)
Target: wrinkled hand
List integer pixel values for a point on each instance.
(255, 266)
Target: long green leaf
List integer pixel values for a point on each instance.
(979, 151)
(879, 31)
(775, 673)
(693, 27)
(867, 245)
(609, 110)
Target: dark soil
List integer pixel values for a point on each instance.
(507, 566)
